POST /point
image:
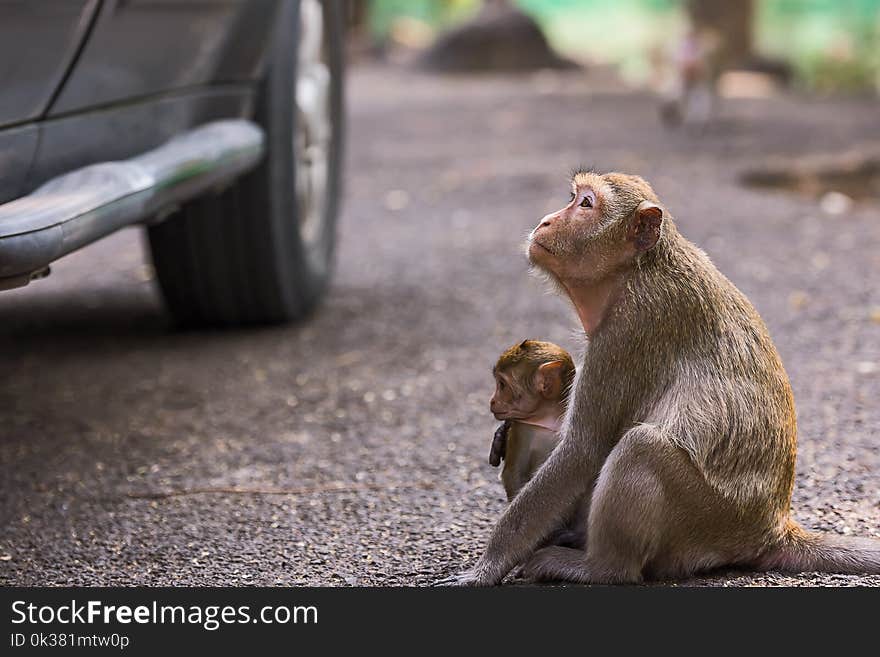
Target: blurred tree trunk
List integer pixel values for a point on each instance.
(731, 21)
(357, 12)
(360, 40)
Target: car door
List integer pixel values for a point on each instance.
(141, 48)
(149, 70)
(38, 44)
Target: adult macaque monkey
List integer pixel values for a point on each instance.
(681, 421)
(532, 380)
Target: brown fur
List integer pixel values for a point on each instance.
(681, 420)
(527, 355)
(527, 449)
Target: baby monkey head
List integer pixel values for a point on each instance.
(610, 220)
(529, 377)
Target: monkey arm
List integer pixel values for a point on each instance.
(542, 505)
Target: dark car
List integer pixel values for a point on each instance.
(217, 124)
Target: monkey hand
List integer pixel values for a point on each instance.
(499, 445)
(467, 578)
(479, 575)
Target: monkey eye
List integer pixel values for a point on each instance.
(571, 197)
(587, 202)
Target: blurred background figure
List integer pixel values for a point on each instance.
(692, 90)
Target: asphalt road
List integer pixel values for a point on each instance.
(373, 414)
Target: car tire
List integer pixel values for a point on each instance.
(262, 251)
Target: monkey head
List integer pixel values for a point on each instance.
(610, 220)
(530, 377)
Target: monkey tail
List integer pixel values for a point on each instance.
(803, 551)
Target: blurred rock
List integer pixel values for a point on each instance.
(500, 38)
(835, 203)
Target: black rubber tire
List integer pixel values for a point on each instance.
(239, 257)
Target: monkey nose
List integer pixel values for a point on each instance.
(545, 222)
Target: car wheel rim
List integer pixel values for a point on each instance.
(313, 134)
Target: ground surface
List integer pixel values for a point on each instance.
(385, 389)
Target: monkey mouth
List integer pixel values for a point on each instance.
(538, 244)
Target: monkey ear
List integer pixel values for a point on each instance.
(548, 379)
(644, 231)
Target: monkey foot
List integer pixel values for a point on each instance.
(556, 564)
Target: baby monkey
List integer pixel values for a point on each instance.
(532, 380)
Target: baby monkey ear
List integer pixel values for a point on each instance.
(644, 231)
(548, 379)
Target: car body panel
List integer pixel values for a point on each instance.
(17, 149)
(88, 81)
(38, 43)
(139, 48)
(122, 131)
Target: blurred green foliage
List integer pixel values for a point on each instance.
(834, 45)
(437, 13)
